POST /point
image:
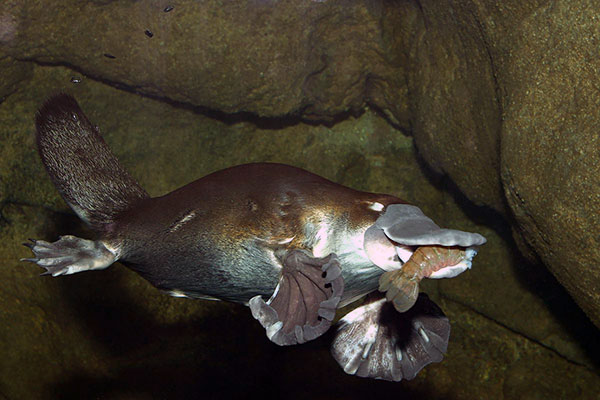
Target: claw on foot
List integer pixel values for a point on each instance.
(69, 255)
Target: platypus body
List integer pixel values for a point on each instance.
(232, 228)
(291, 245)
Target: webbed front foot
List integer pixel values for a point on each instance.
(401, 289)
(304, 302)
(375, 341)
(69, 255)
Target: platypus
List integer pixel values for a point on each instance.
(291, 245)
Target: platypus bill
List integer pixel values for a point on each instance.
(291, 245)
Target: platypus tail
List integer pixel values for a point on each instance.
(82, 167)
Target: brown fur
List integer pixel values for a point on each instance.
(82, 167)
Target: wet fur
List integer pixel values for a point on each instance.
(82, 167)
(244, 219)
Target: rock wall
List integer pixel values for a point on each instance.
(505, 101)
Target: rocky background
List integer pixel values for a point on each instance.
(483, 113)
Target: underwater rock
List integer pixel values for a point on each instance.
(13, 72)
(551, 147)
(455, 114)
(316, 59)
(511, 116)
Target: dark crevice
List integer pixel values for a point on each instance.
(3, 220)
(299, 116)
(379, 111)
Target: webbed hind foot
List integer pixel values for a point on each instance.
(69, 255)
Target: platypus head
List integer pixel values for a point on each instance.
(395, 235)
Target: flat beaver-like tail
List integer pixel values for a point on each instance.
(82, 167)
